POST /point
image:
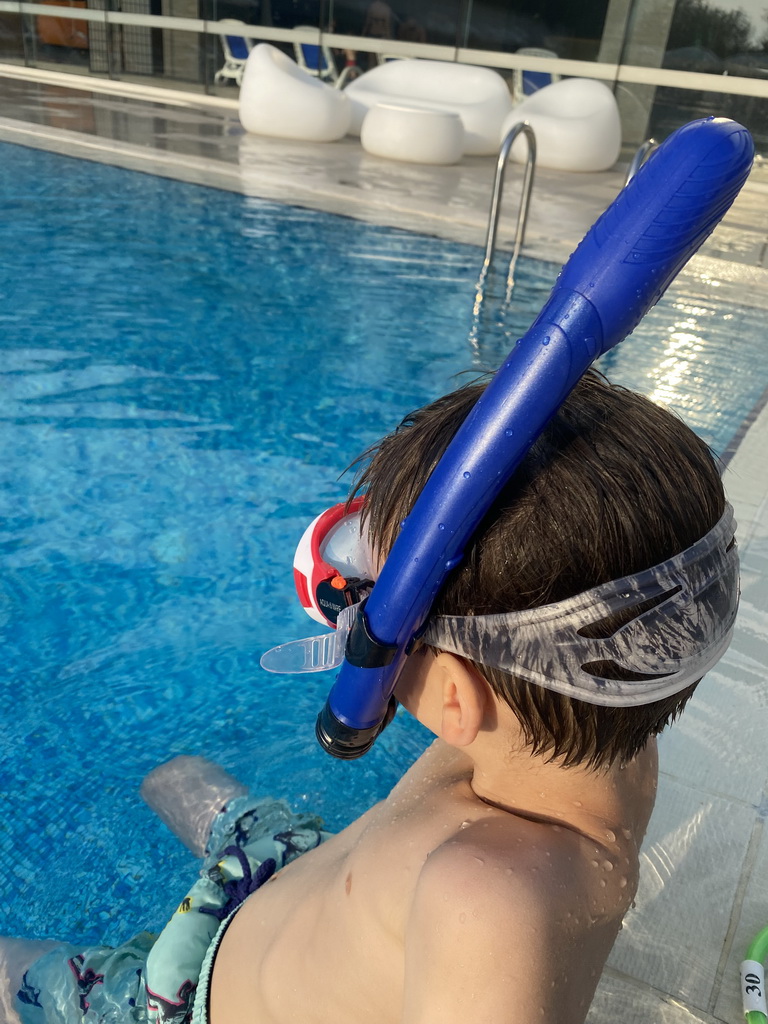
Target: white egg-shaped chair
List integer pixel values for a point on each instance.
(479, 96)
(279, 98)
(576, 123)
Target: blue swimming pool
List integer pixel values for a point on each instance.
(185, 373)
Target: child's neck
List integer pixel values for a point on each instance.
(592, 802)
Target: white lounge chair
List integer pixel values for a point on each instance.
(279, 98)
(576, 123)
(526, 82)
(236, 48)
(478, 95)
(316, 58)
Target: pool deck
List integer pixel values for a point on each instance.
(704, 888)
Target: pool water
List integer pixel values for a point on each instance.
(185, 373)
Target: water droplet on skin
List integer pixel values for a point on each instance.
(608, 865)
(610, 836)
(479, 860)
(595, 864)
(507, 871)
(465, 824)
(602, 883)
(577, 803)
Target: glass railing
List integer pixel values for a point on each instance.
(667, 60)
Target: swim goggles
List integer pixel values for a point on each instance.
(628, 642)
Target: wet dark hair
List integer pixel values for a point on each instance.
(614, 484)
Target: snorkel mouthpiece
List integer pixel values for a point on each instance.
(346, 742)
(620, 269)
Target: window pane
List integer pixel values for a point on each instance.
(62, 40)
(674, 107)
(420, 21)
(569, 30)
(720, 38)
(11, 38)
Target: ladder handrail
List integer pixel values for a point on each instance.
(642, 154)
(521, 128)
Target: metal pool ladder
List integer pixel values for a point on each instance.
(639, 159)
(521, 128)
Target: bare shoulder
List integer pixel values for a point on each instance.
(521, 852)
(508, 924)
(517, 868)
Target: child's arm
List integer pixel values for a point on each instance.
(491, 939)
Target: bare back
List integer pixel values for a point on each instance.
(437, 906)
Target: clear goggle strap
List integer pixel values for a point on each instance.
(313, 653)
(680, 620)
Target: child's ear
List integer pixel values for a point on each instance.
(465, 696)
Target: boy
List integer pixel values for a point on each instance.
(491, 883)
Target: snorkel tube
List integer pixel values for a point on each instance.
(619, 270)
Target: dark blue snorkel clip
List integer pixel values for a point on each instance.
(363, 651)
(620, 269)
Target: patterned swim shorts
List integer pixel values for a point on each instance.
(154, 978)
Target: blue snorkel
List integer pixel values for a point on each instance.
(620, 269)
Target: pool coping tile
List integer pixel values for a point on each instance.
(691, 868)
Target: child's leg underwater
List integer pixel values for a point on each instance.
(187, 793)
(244, 840)
(16, 957)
